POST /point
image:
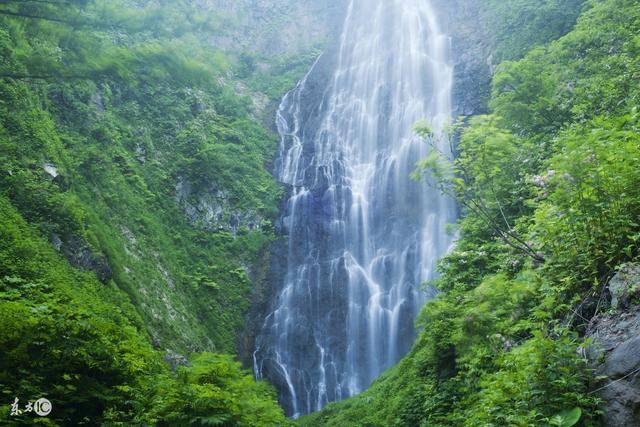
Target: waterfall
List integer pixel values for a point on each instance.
(362, 236)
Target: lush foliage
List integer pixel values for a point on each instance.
(82, 344)
(516, 25)
(136, 203)
(120, 149)
(548, 185)
(216, 391)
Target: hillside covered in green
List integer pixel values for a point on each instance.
(548, 184)
(136, 204)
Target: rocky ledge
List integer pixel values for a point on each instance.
(615, 351)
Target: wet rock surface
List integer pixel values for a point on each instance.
(471, 50)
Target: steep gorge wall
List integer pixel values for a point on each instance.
(471, 50)
(276, 27)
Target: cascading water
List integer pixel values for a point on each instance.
(363, 236)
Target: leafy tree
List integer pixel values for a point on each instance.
(80, 36)
(518, 25)
(485, 179)
(214, 390)
(587, 222)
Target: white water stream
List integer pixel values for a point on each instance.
(363, 236)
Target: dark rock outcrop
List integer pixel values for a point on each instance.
(624, 286)
(471, 50)
(615, 352)
(212, 209)
(80, 255)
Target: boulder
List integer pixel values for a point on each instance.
(615, 352)
(624, 285)
(623, 360)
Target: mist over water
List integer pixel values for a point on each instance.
(363, 237)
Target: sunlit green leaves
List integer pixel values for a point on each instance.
(567, 418)
(588, 220)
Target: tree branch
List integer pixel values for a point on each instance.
(45, 18)
(57, 3)
(43, 76)
(506, 236)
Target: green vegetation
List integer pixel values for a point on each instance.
(121, 147)
(517, 25)
(548, 184)
(283, 75)
(82, 344)
(136, 203)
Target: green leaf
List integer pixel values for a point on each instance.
(567, 418)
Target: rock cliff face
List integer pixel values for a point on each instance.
(213, 210)
(615, 351)
(276, 27)
(471, 50)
